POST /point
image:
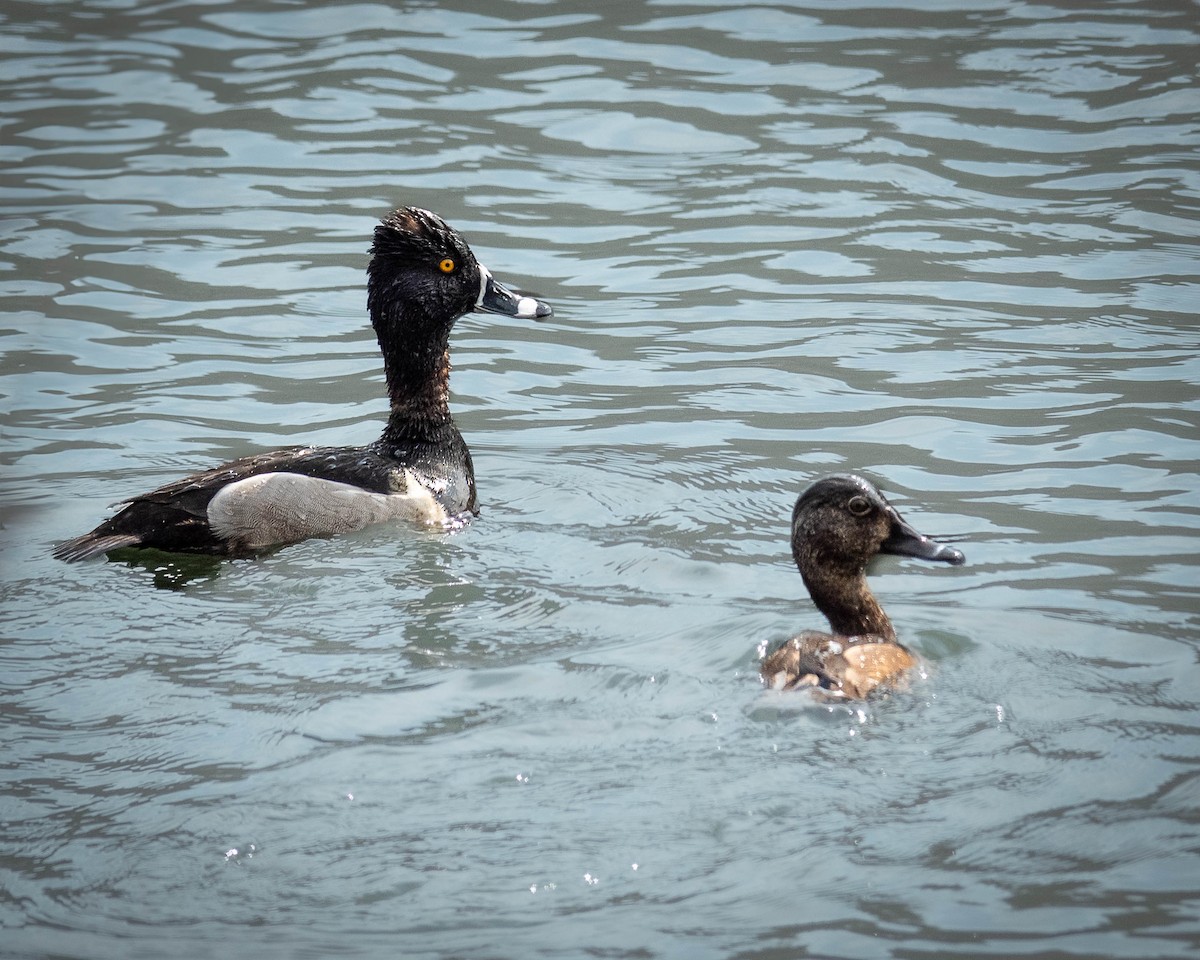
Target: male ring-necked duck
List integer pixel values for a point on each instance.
(421, 278)
(839, 524)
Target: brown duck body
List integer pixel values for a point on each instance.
(839, 525)
(842, 666)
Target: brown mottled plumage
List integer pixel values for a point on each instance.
(839, 524)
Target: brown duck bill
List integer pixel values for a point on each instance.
(904, 541)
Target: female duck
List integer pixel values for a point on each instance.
(839, 524)
(421, 278)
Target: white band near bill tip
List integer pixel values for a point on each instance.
(484, 276)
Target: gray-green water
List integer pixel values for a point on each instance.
(952, 245)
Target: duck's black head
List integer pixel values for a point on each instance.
(423, 276)
(842, 521)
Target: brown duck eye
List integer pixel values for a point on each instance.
(859, 506)
(447, 265)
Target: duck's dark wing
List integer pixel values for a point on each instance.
(842, 666)
(175, 516)
(354, 465)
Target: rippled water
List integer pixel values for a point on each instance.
(952, 245)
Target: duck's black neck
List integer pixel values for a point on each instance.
(416, 363)
(847, 602)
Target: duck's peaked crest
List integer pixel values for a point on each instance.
(411, 232)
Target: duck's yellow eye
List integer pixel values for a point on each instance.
(859, 506)
(447, 265)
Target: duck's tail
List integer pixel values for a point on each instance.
(93, 544)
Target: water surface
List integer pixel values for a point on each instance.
(951, 245)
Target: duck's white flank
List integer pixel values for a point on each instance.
(278, 508)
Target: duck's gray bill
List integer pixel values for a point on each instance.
(494, 297)
(904, 541)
